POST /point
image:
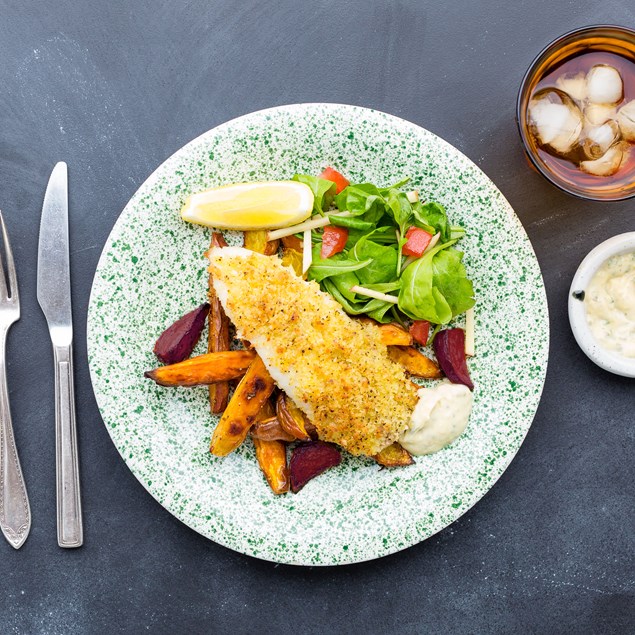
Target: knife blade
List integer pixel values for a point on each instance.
(54, 296)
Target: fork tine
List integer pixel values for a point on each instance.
(13, 280)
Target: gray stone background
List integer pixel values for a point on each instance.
(114, 88)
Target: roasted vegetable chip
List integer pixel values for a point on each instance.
(177, 342)
(310, 460)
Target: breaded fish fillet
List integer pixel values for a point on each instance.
(334, 368)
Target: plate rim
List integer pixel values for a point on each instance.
(511, 214)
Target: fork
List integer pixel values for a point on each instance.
(15, 512)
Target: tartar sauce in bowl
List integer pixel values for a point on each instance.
(610, 304)
(602, 305)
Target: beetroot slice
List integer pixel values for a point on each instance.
(449, 347)
(310, 460)
(177, 342)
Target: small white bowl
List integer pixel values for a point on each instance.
(621, 244)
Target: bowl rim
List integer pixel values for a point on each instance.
(622, 243)
(519, 103)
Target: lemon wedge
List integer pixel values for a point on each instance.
(262, 205)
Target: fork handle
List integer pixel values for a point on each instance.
(69, 506)
(15, 512)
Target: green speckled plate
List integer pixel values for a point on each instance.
(152, 271)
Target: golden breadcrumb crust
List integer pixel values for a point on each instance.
(334, 368)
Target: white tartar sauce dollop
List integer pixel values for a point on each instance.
(610, 304)
(440, 416)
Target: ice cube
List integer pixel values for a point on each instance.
(597, 114)
(607, 164)
(626, 120)
(596, 140)
(604, 84)
(574, 86)
(555, 119)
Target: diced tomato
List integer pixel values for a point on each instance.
(333, 175)
(333, 240)
(418, 240)
(420, 330)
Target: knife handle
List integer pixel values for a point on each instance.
(69, 506)
(15, 512)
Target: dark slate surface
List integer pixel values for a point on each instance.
(114, 88)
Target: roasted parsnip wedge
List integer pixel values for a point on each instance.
(248, 399)
(272, 459)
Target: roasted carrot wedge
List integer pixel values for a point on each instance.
(218, 336)
(203, 369)
(414, 362)
(249, 397)
(293, 242)
(292, 258)
(257, 241)
(393, 335)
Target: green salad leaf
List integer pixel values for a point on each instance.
(400, 208)
(323, 191)
(372, 307)
(344, 282)
(435, 287)
(335, 265)
(432, 218)
(383, 260)
(364, 200)
(350, 222)
(382, 235)
(378, 313)
(450, 278)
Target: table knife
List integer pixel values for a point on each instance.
(54, 296)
